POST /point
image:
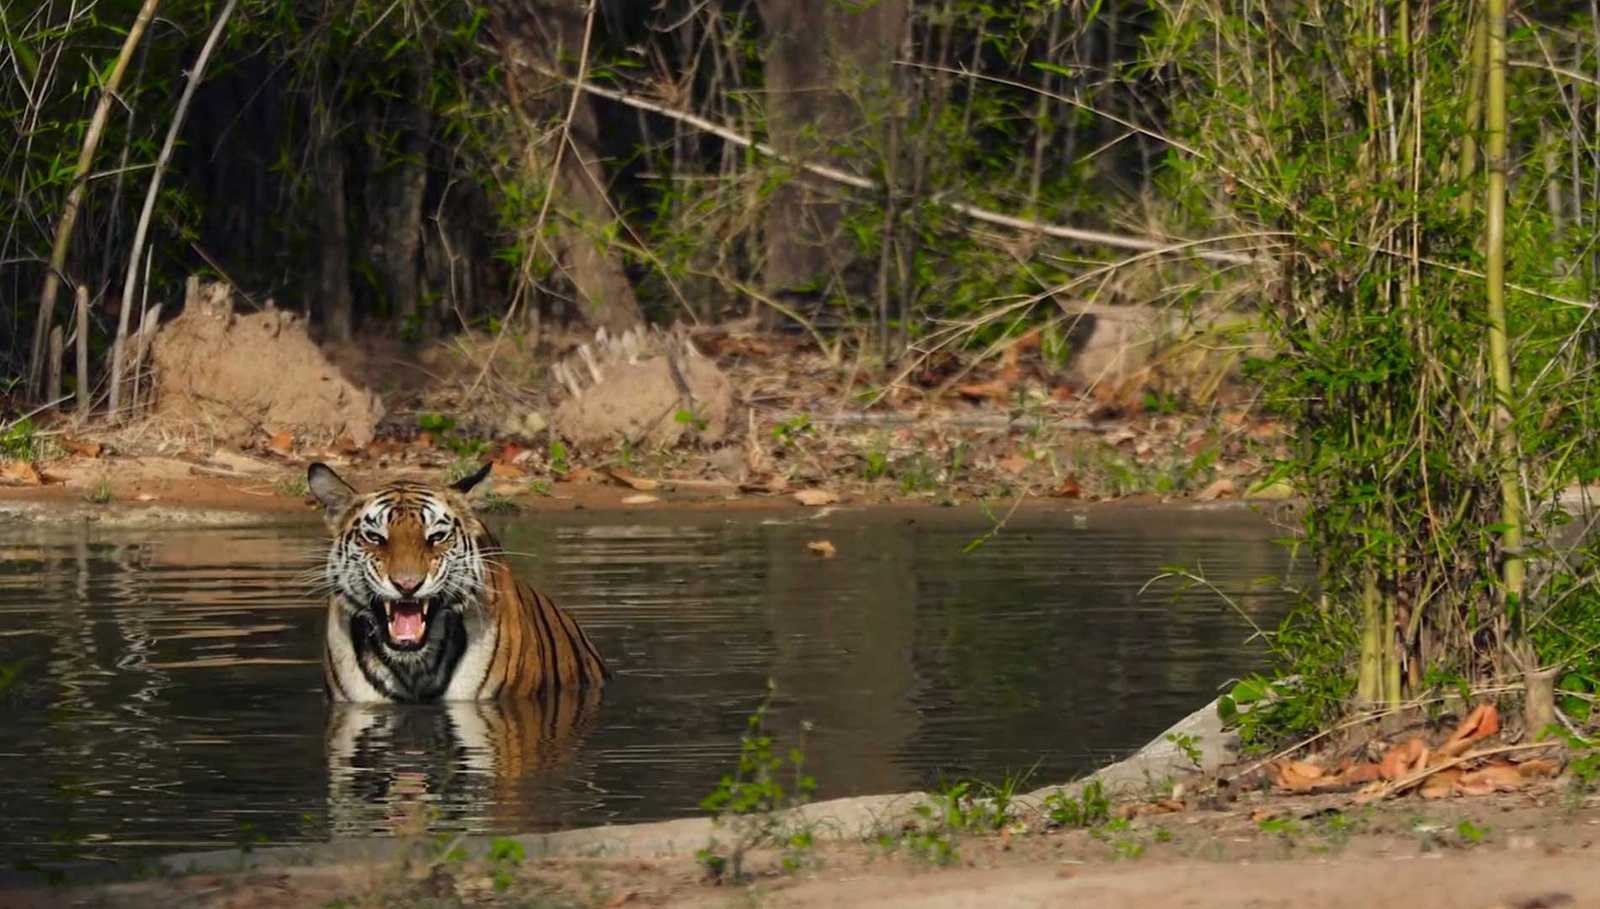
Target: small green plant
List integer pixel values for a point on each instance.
(1471, 834)
(505, 854)
(1189, 745)
(249, 837)
(293, 486)
(928, 840)
(688, 419)
(791, 430)
(747, 803)
(443, 429)
(1125, 848)
(19, 440)
(877, 464)
(559, 465)
(1089, 808)
(101, 493)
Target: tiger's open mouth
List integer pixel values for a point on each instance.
(407, 622)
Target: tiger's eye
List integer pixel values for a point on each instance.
(437, 537)
(372, 537)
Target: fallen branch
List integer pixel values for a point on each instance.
(855, 181)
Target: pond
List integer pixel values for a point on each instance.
(167, 691)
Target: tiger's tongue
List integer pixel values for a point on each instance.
(405, 622)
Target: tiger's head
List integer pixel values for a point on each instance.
(406, 557)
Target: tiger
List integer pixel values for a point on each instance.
(423, 606)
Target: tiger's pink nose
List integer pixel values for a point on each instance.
(407, 584)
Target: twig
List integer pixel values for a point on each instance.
(845, 178)
(140, 231)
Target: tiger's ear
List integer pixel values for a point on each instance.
(465, 484)
(332, 491)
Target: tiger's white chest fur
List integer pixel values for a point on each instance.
(467, 683)
(467, 678)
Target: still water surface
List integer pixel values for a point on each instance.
(169, 693)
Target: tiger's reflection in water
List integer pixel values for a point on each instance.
(469, 766)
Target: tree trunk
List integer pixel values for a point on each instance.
(395, 188)
(827, 76)
(331, 289)
(535, 36)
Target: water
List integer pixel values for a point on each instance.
(169, 693)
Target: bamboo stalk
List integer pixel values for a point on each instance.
(80, 183)
(1513, 568)
(80, 319)
(1369, 681)
(1474, 114)
(130, 281)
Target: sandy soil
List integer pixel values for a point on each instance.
(1532, 849)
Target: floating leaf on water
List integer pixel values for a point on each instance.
(822, 548)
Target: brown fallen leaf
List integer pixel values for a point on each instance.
(1402, 759)
(995, 391)
(1482, 722)
(1296, 776)
(1217, 489)
(626, 478)
(1013, 464)
(822, 548)
(581, 475)
(1068, 489)
(815, 497)
(1440, 785)
(346, 446)
(82, 447)
(1360, 773)
(1539, 767)
(282, 443)
(640, 499)
(1500, 776)
(20, 473)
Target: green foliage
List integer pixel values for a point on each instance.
(1089, 808)
(505, 854)
(1378, 318)
(1189, 745)
(443, 430)
(19, 441)
(748, 804)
